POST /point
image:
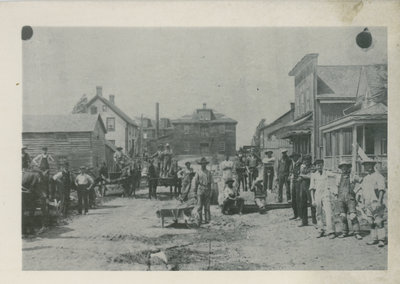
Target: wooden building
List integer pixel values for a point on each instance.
(76, 138)
(322, 95)
(205, 132)
(121, 129)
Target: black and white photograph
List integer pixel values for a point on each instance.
(204, 148)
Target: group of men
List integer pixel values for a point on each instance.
(163, 159)
(64, 180)
(339, 199)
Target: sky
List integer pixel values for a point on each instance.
(240, 72)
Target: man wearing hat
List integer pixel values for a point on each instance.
(158, 159)
(227, 173)
(295, 185)
(321, 198)
(201, 184)
(283, 175)
(43, 160)
(152, 180)
(119, 159)
(186, 175)
(268, 170)
(346, 202)
(64, 179)
(232, 200)
(373, 188)
(167, 159)
(305, 195)
(241, 172)
(252, 164)
(26, 159)
(83, 182)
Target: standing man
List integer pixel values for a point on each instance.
(226, 167)
(152, 176)
(305, 196)
(346, 201)
(167, 161)
(260, 195)
(241, 173)
(103, 175)
(65, 180)
(295, 186)
(43, 160)
(283, 176)
(159, 159)
(321, 197)
(26, 159)
(83, 182)
(252, 164)
(268, 170)
(201, 184)
(373, 188)
(185, 176)
(119, 159)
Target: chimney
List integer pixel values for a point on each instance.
(204, 105)
(99, 91)
(291, 106)
(112, 99)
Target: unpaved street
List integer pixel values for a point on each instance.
(123, 232)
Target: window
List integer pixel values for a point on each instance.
(104, 108)
(204, 115)
(384, 146)
(347, 141)
(328, 145)
(110, 123)
(112, 141)
(204, 131)
(369, 140)
(60, 137)
(221, 129)
(360, 135)
(186, 129)
(221, 147)
(336, 137)
(186, 146)
(93, 110)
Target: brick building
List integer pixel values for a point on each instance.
(205, 132)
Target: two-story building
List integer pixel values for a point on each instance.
(121, 129)
(205, 132)
(322, 94)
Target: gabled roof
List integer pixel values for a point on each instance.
(60, 123)
(112, 106)
(348, 81)
(277, 121)
(194, 118)
(338, 81)
(300, 64)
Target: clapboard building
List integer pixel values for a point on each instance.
(75, 138)
(121, 129)
(205, 132)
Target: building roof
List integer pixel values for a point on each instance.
(278, 120)
(194, 118)
(345, 81)
(338, 81)
(301, 63)
(374, 113)
(112, 106)
(111, 145)
(60, 123)
(300, 126)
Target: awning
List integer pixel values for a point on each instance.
(301, 126)
(374, 114)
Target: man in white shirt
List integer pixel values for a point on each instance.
(226, 167)
(373, 188)
(268, 170)
(232, 200)
(83, 183)
(321, 198)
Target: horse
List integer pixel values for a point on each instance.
(34, 193)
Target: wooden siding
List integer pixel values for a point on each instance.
(78, 148)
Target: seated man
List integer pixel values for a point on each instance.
(260, 194)
(232, 201)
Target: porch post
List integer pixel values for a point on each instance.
(354, 149)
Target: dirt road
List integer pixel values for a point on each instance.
(125, 234)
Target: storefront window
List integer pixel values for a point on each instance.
(328, 145)
(370, 139)
(347, 141)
